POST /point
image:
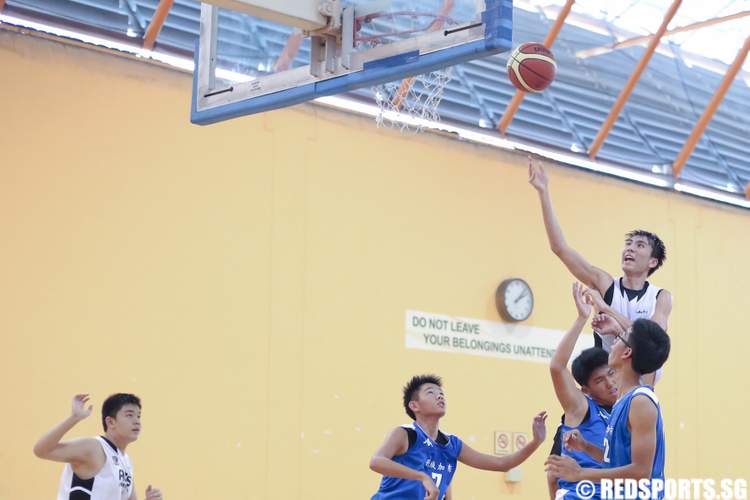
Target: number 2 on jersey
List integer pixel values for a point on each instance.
(606, 450)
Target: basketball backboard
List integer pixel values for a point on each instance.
(307, 49)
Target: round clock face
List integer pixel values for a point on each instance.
(515, 299)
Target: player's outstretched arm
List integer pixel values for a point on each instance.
(571, 398)
(595, 298)
(473, 458)
(78, 451)
(591, 276)
(604, 324)
(642, 419)
(397, 443)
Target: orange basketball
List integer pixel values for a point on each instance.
(531, 67)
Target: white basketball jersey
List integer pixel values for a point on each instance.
(641, 306)
(113, 482)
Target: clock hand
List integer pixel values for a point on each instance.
(520, 297)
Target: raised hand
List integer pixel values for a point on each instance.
(431, 491)
(579, 296)
(79, 410)
(538, 427)
(537, 176)
(574, 441)
(153, 493)
(604, 324)
(594, 298)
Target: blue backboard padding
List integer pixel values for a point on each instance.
(373, 73)
(405, 58)
(498, 21)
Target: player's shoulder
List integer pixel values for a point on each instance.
(647, 391)
(86, 452)
(446, 439)
(405, 433)
(644, 405)
(402, 430)
(86, 443)
(663, 294)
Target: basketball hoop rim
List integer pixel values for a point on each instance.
(436, 18)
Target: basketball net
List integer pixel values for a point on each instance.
(408, 105)
(411, 103)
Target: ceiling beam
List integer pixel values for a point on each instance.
(605, 49)
(154, 27)
(601, 136)
(708, 113)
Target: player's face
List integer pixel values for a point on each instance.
(602, 387)
(431, 400)
(636, 256)
(127, 423)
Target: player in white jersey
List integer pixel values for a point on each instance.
(97, 468)
(625, 299)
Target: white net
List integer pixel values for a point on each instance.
(409, 104)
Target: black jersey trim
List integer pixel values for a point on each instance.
(114, 447)
(634, 294)
(411, 434)
(442, 439)
(81, 489)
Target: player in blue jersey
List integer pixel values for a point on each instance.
(634, 443)
(586, 409)
(418, 461)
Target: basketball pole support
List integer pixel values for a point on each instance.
(605, 49)
(154, 27)
(515, 103)
(601, 136)
(708, 113)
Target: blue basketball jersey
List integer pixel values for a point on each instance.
(436, 460)
(617, 451)
(593, 429)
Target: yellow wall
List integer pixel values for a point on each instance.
(249, 281)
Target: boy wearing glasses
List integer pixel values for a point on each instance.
(634, 441)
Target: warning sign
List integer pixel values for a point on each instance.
(520, 440)
(502, 442)
(438, 332)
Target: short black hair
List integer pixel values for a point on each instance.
(589, 360)
(114, 403)
(650, 345)
(412, 388)
(658, 250)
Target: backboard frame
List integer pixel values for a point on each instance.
(334, 69)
